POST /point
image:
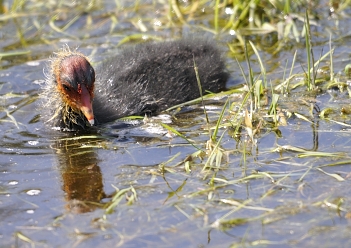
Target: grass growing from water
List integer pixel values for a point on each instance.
(228, 158)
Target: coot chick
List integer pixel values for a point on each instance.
(142, 79)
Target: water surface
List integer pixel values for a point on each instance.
(55, 186)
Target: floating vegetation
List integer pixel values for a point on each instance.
(264, 163)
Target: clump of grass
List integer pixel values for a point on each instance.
(310, 74)
(128, 193)
(246, 118)
(250, 114)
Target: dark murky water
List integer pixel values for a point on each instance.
(53, 186)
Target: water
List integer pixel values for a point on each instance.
(55, 187)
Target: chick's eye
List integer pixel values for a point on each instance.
(66, 88)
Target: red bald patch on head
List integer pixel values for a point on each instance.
(75, 79)
(75, 69)
(74, 64)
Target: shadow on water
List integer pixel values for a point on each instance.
(81, 175)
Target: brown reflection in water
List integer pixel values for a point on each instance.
(315, 127)
(82, 178)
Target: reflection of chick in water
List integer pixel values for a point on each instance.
(82, 178)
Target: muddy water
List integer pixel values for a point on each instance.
(54, 186)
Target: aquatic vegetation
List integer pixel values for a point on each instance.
(264, 163)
